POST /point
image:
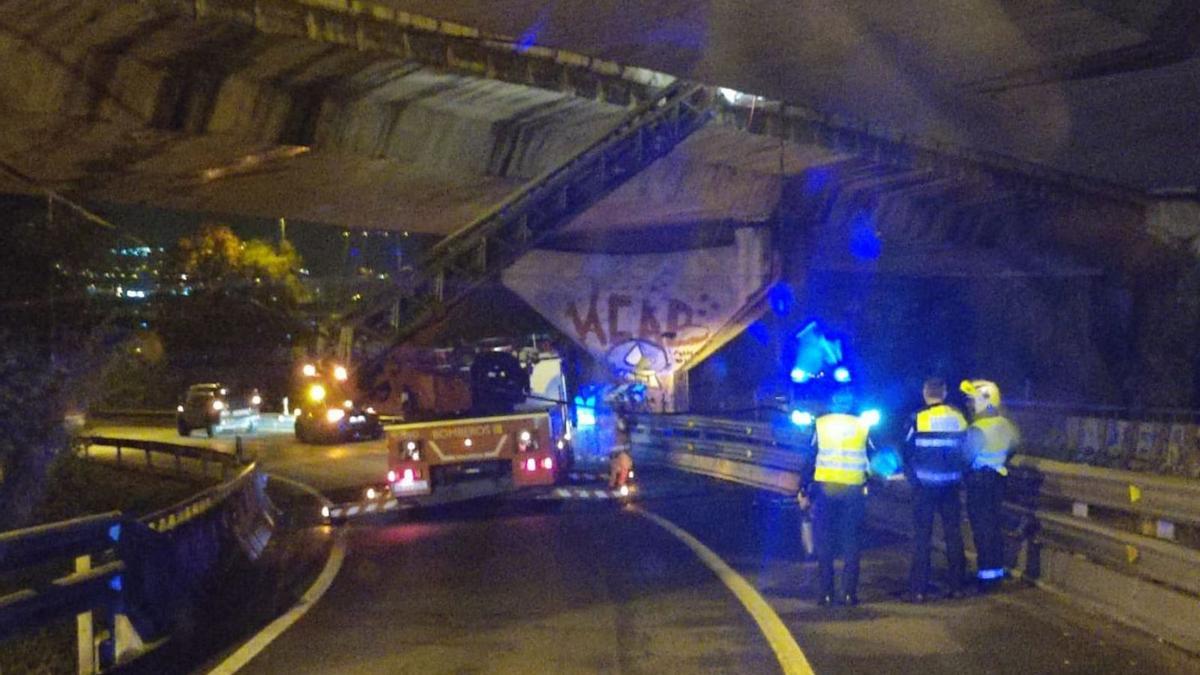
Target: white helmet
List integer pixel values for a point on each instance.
(984, 394)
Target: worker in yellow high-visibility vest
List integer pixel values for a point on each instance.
(835, 485)
(989, 441)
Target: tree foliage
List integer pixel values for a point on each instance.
(235, 299)
(216, 260)
(31, 428)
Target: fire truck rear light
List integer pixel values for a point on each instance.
(531, 464)
(547, 463)
(408, 476)
(391, 476)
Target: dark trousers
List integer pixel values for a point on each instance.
(944, 501)
(985, 503)
(837, 518)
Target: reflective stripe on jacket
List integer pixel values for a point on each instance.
(995, 439)
(937, 435)
(841, 449)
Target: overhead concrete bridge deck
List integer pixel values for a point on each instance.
(368, 116)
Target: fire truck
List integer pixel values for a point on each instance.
(489, 449)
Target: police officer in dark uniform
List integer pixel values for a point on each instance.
(933, 464)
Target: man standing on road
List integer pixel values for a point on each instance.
(990, 439)
(836, 486)
(933, 465)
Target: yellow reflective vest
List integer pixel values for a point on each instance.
(841, 449)
(996, 438)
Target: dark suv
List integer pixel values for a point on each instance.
(212, 408)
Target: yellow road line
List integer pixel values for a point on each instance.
(790, 657)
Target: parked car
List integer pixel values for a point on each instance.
(212, 407)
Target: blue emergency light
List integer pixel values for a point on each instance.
(801, 418)
(870, 417)
(585, 411)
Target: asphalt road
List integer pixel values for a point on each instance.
(336, 469)
(591, 586)
(588, 585)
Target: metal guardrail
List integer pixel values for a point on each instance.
(154, 413)
(1174, 500)
(1137, 524)
(155, 565)
(752, 453)
(197, 505)
(44, 599)
(175, 451)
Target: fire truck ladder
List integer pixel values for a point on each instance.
(482, 249)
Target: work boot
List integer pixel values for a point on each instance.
(850, 600)
(916, 598)
(826, 600)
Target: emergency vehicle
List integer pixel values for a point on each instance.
(491, 448)
(449, 460)
(326, 410)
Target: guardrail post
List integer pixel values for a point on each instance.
(204, 465)
(178, 460)
(118, 454)
(84, 629)
(149, 461)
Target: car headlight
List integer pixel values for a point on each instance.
(218, 405)
(309, 370)
(316, 393)
(334, 415)
(340, 374)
